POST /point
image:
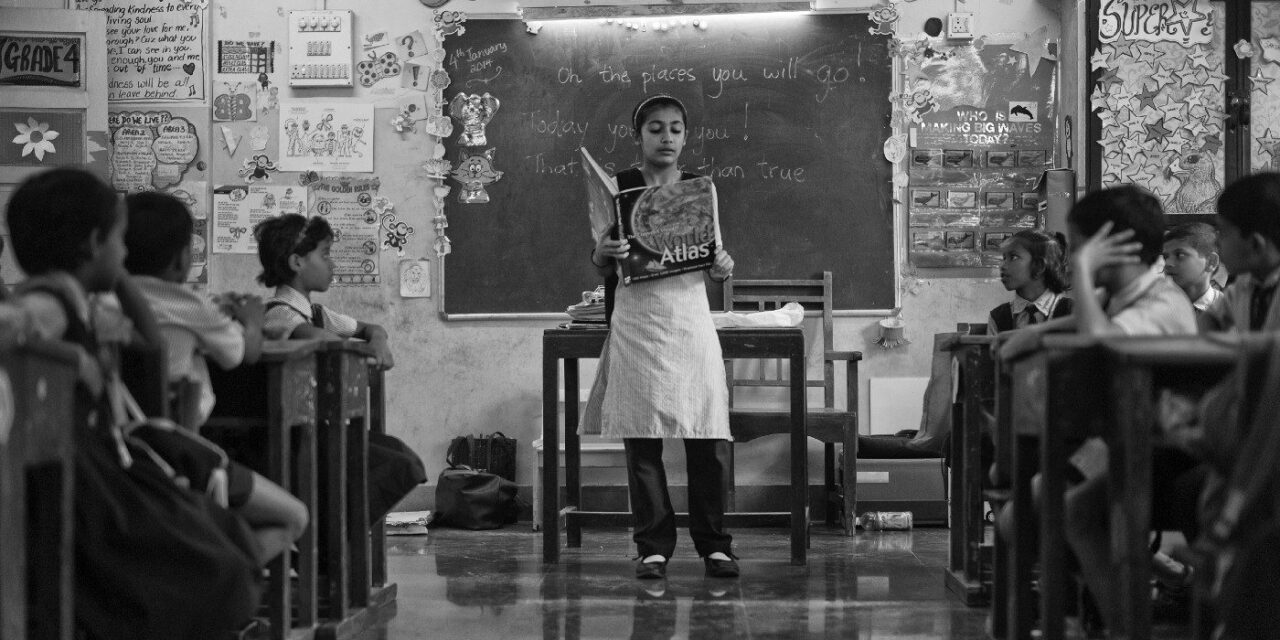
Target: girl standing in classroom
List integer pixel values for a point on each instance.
(661, 373)
(1035, 270)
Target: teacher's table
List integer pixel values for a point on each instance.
(572, 345)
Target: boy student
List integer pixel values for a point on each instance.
(1191, 259)
(1117, 235)
(294, 252)
(193, 328)
(136, 577)
(1249, 239)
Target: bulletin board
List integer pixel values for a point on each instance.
(982, 134)
(787, 113)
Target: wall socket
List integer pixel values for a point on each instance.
(960, 26)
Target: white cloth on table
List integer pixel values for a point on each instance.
(790, 315)
(661, 373)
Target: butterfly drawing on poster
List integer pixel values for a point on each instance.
(235, 101)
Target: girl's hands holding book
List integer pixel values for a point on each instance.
(607, 248)
(722, 268)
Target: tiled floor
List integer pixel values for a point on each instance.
(465, 585)
(476, 585)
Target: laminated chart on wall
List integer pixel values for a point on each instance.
(982, 132)
(155, 49)
(1158, 96)
(347, 202)
(237, 209)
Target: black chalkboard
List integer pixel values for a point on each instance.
(788, 114)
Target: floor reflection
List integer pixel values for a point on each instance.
(478, 585)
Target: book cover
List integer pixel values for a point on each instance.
(672, 228)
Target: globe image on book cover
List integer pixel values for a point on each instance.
(673, 220)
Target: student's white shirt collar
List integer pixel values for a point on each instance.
(293, 298)
(1205, 301)
(1134, 290)
(1044, 304)
(66, 283)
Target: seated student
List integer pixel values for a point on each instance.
(193, 328)
(294, 251)
(1245, 563)
(1116, 235)
(1249, 238)
(192, 575)
(1191, 259)
(1034, 268)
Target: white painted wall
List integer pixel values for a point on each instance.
(467, 377)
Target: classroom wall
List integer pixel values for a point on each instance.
(480, 376)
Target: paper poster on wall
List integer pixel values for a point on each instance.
(347, 203)
(155, 49)
(199, 272)
(237, 209)
(318, 137)
(976, 153)
(162, 150)
(1181, 21)
(235, 98)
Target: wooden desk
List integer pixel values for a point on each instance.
(977, 376)
(37, 448)
(1075, 388)
(286, 371)
(572, 345)
(354, 604)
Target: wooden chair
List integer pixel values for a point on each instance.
(969, 558)
(37, 382)
(828, 423)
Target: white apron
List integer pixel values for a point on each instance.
(661, 374)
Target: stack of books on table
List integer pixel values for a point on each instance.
(589, 313)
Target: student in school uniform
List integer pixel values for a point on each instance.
(1117, 234)
(1249, 239)
(662, 374)
(192, 576)
(294, 251)
(192, 328)
(1244, 563)
(1034, 268)
(1191, 259)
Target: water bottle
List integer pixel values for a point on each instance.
(885, 521)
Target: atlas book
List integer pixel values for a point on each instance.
(672, 228)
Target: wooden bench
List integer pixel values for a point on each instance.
(277, 397)
(1118, 379)
(37, 447)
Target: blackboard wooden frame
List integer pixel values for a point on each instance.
(874, 102)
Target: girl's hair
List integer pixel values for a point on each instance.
(52, 216)
(159, 229)
(284, 236)
(1048, 257)
(653, 103)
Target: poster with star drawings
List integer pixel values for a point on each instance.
(981, 133)
(1263, 52)
(1159, 100)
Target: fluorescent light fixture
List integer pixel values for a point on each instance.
(557, 10)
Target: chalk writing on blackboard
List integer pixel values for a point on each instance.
(155, 49)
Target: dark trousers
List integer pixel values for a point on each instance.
(655, 520)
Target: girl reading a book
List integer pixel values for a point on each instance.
(661, 374)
